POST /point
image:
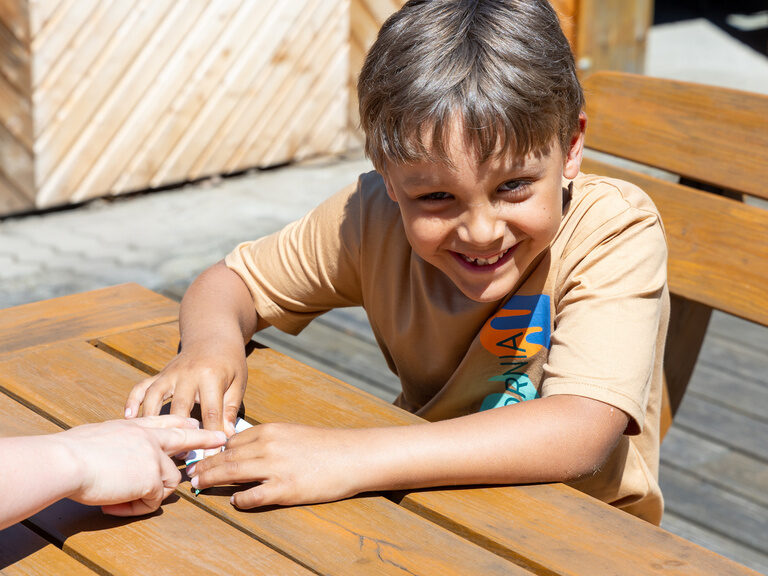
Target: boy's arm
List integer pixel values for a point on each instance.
(216, 319)
(558, 438)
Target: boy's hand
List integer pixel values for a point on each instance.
(216, 378)
(295, 464)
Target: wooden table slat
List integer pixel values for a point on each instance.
(287, 390)
(22, 552)
(69, 382)
(519, 523)
(85, 316)
(566, 532)
(200, 544)
(550, 529)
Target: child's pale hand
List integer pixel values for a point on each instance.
(125, 466)
(295, 464)
(215, 378)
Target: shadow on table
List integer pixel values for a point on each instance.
(66, 518)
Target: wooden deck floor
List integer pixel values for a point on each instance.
(714, 460)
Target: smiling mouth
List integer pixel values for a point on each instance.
(484, 262)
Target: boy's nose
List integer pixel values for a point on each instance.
(481, 226)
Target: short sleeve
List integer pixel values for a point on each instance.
(308, 267)
(609, 301)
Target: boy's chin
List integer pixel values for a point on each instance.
(486, 294)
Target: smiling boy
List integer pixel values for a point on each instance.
(522, 304)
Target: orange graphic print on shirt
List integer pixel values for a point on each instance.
(515, 334)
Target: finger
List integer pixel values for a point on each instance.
(211, 407)
(262, 495)
(158, 393)
(232, 399)
(133, 508)
(171, 476)
(226, 471)
(183, 400)
(167, 421)
(136, 396)
(243, 438)
(176, 440)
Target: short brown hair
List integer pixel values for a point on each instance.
(503, 67)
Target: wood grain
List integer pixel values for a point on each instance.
(363, 535)
(116, 545)
(180, 539)
(553, 530)
(718, 136)
(130, 95)
(611, 35)
(24, 553)
(705, 232)
(18, 420)
(735, 515)
(725, 467)
(16, 163)
(83, 316)
(73, 383)
(531, 526)
(281, 390)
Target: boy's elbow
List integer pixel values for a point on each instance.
(591, 445)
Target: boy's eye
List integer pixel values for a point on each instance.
(435, 196)
(515, 190)
(512, 185)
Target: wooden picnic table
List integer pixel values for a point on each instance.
(72, 360)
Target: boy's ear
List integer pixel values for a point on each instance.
(575, 150)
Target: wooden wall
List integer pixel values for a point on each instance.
(101, 97)
(108, 96)
(17, 189)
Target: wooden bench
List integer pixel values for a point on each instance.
(714, 143)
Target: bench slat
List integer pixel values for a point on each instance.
(718, 247)
(713, 135)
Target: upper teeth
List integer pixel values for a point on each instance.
(485, 261)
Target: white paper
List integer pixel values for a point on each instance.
(197, 455)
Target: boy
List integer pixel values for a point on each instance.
(522, 304)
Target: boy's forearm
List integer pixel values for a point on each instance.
(217, 307)
(560, 438)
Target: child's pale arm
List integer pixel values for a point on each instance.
(123, 466)
(217, 318)
(558, 438)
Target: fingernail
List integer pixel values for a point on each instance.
(220, 436)
(191, 470)
(128, 412)
(232, 500)
(193, 422)
(194, 482)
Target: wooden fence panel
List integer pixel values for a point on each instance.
(103, 97)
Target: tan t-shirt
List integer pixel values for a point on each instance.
(588, 318)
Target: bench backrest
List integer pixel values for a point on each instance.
(714, 139)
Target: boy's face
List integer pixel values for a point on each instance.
(483, 224)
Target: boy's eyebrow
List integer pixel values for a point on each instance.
(420, 180)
